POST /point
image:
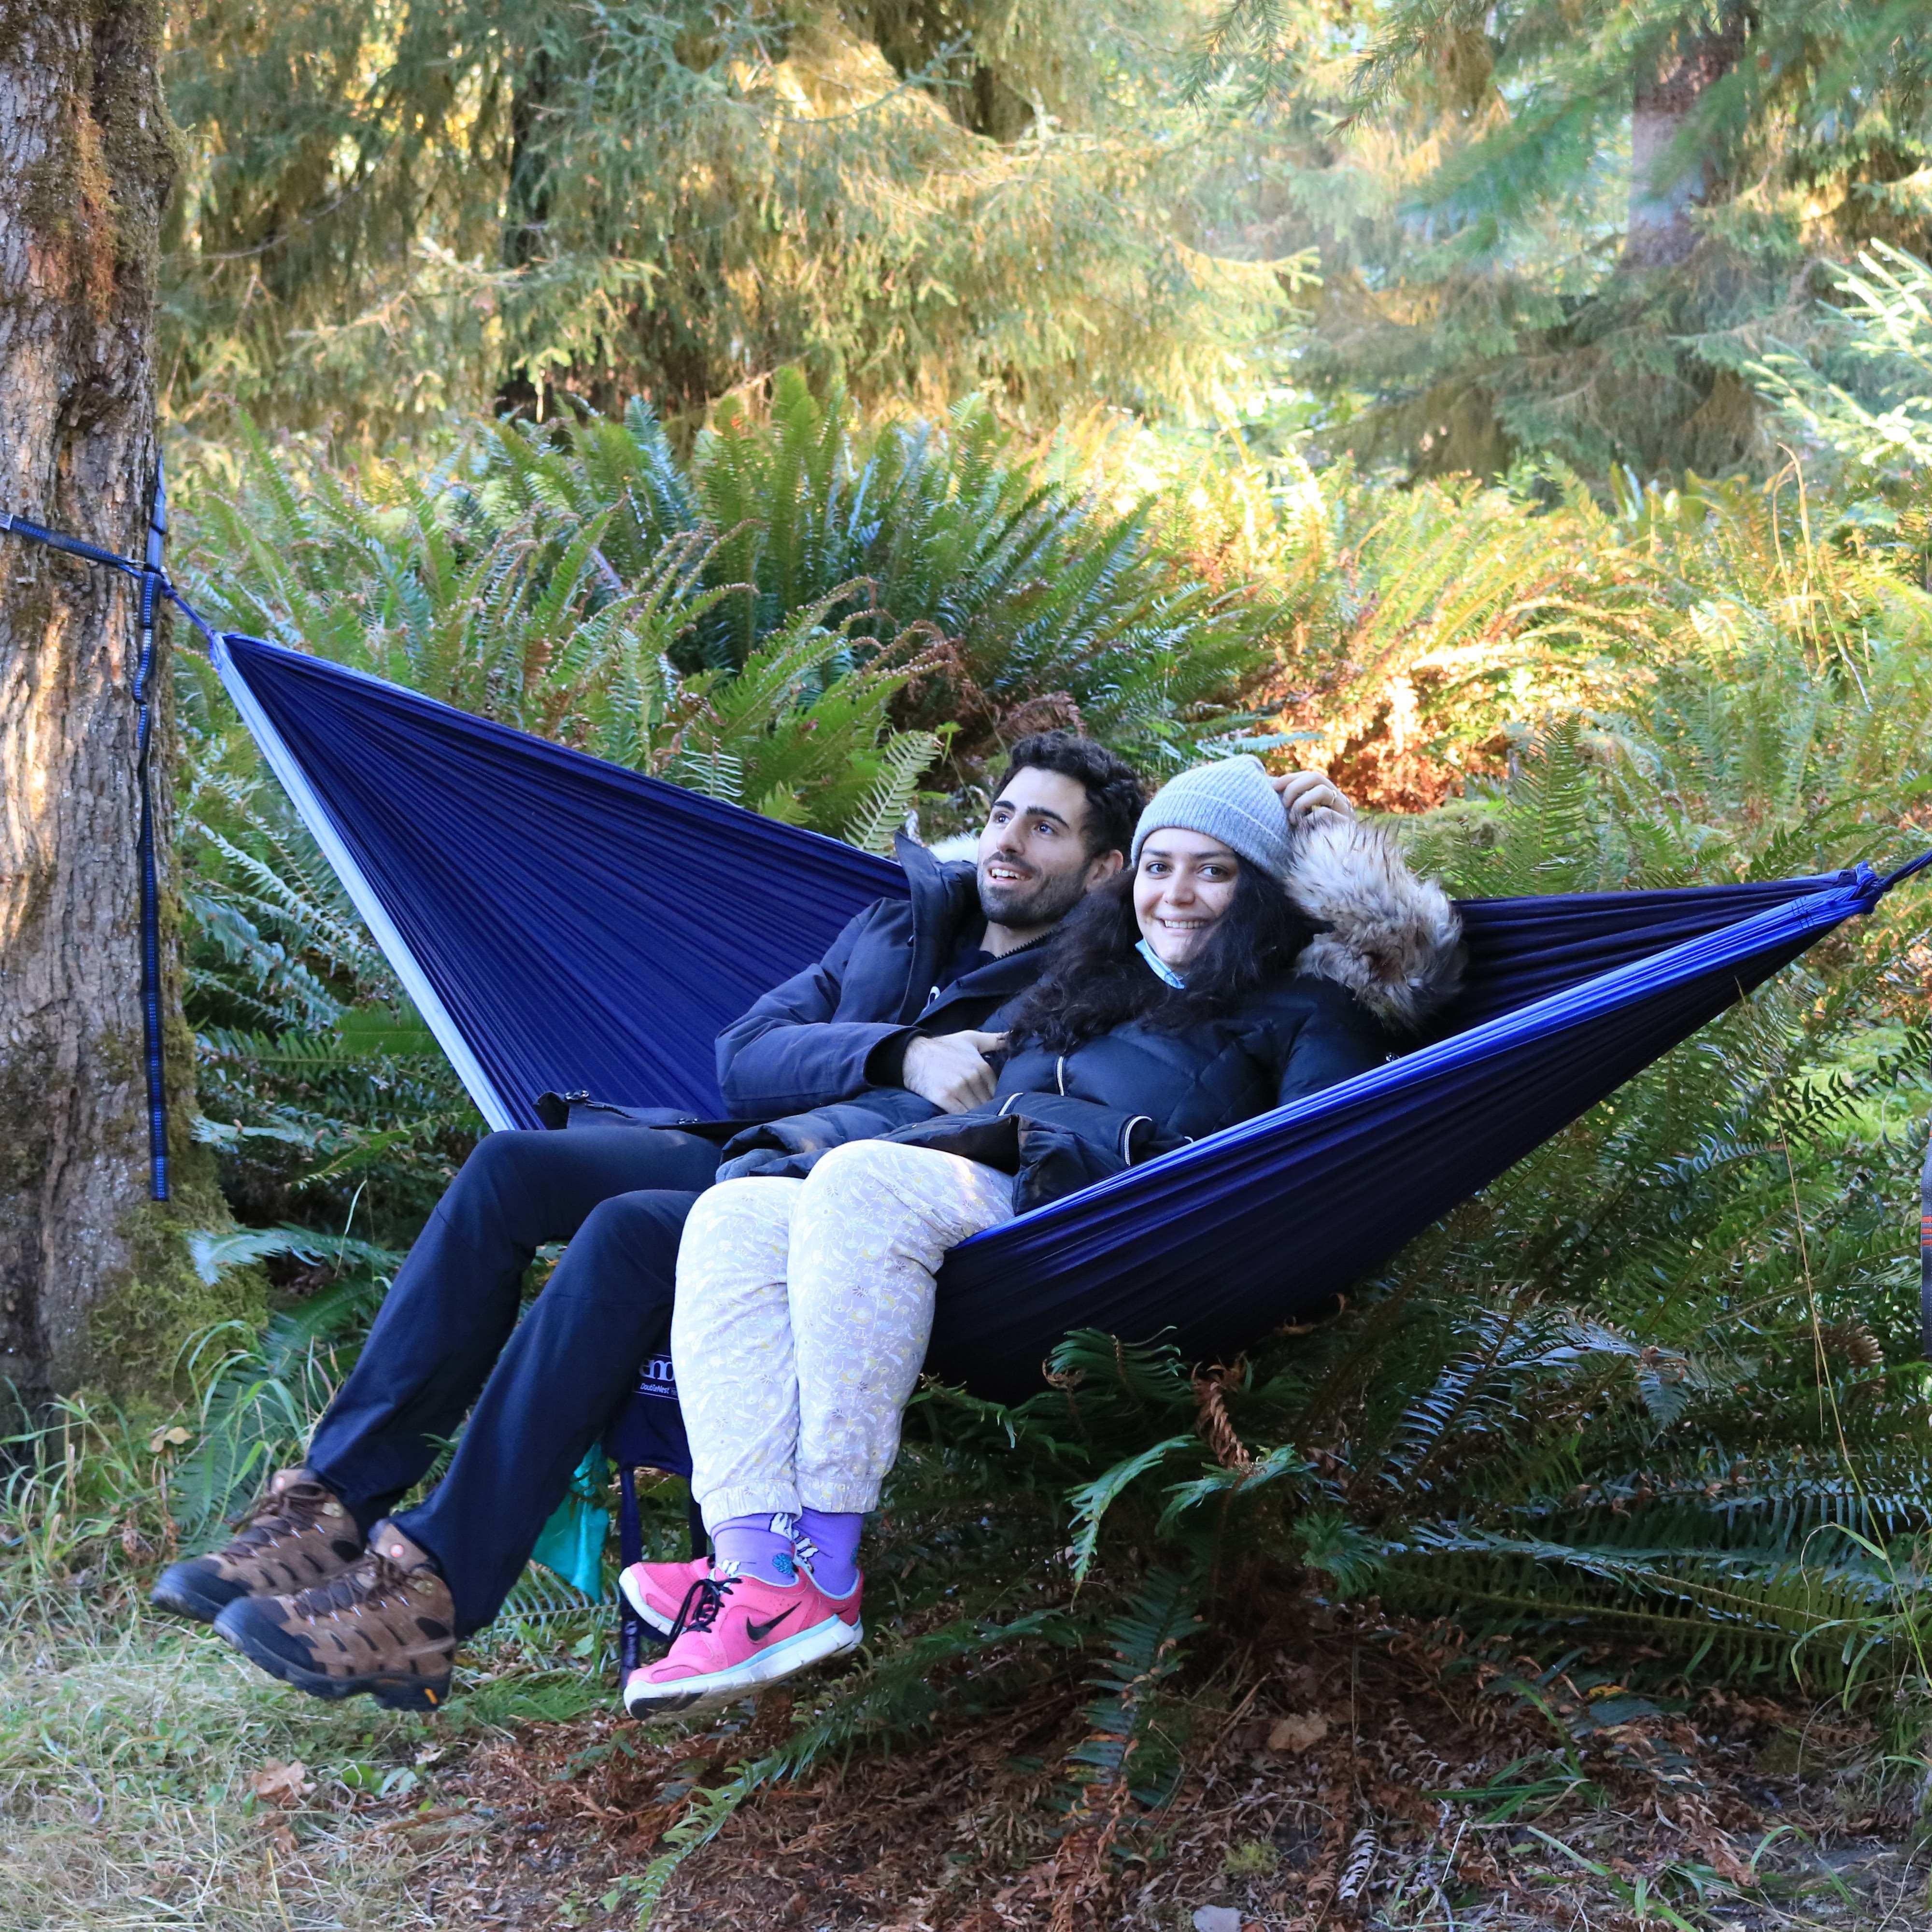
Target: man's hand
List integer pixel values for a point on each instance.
(1308, 794)
(950, 1068)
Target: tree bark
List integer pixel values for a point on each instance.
(526, 216)
(88, 158)
(1667, 184)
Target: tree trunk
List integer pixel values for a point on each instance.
(87, 157)
(526, 217)
(1667, 184)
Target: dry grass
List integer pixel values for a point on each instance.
(149, 1778)
(1307, 1770)
(144, 1783)
(126, 1773)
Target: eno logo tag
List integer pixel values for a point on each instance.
(658, 1380)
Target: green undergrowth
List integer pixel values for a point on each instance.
(1654, 1398)
(149, 1777)
(128, 1758)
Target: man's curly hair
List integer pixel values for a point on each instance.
(1114, 793)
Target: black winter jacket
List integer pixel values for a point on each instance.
(1388, 954)
(831, 1032)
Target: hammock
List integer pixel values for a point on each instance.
(561, 923)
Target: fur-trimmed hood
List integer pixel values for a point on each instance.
(1394, 940)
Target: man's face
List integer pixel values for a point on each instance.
(1033, 862)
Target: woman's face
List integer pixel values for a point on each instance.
(1182, 888)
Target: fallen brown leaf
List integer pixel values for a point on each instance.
(283, 1784)
(1299, 1733)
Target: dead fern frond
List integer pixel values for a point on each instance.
(1210, 1399)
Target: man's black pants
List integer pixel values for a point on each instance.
(619, 1196)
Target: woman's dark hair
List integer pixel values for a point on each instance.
(1114, 795)
(1093, 980)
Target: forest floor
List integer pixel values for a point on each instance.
(1370, 1774)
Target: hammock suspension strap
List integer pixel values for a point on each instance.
(156, 589)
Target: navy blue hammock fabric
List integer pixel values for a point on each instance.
(562, 923)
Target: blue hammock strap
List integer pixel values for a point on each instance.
(39, 533)
(1881, 886)
(152, 581)
(150, 573)
(165, 589)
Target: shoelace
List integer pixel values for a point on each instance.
(367, 1585)
(273, 1517)
(702, 1602)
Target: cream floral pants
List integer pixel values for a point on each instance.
(802, 1314)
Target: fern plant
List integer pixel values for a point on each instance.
(468, 583)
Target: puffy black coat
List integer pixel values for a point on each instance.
(1163, 1088)
(825, 1034)
(1059, 1121)
(1388, 954)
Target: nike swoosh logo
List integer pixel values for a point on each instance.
(758, 1633)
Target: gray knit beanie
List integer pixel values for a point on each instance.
(1231, 801)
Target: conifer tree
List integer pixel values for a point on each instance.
(400, 207)
(1568, 227)
(87, 157)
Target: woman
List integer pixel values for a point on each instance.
(1233, 967)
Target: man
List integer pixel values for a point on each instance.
(320, 1586)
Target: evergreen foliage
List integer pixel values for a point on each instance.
(1570, 229)
(1526, 231)
(655, 197)
(1870, 403)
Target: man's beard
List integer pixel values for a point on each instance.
(1043, 901)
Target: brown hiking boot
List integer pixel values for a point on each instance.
(387, 1626)
(296, 1535)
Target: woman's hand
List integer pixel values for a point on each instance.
(1307, 795)
(950, 1069)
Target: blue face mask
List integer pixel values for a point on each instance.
(1160, 967)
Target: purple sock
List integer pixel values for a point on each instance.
(835, 1537)
(761, 1546)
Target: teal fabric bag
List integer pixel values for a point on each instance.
(572, 1541)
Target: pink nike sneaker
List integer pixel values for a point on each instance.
(743, 1634)
(657, 1590)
